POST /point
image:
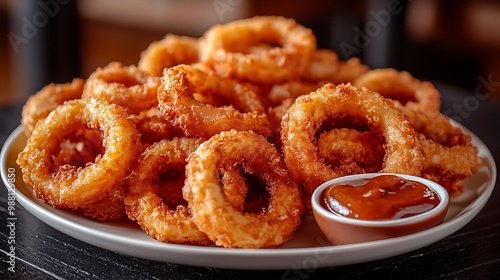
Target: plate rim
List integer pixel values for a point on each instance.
(258, 259)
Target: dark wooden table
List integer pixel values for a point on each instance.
(473, 252)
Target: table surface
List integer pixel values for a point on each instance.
(473, 252)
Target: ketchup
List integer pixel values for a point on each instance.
(383, 197)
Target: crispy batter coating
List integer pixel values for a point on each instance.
(228, 49)
(226, 225)
(76, 186)
(193, 98)
(142, 190)
(449, 155)
(127, 86)
(39, 105)
(170, 51)
(309, 112)
(278, 116)
(401, 87)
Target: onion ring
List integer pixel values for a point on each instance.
(450, 156)
(80, 149)
(170, 51)
(127, 86)
(307, 114)
(203, 104)
(434, 125)
(75, 187)
(401, 87)
(39, 105)
(449, 165)
(215, 216)
(226, 48)
(142, 199)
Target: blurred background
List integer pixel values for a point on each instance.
(44, 41)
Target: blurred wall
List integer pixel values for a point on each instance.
(457, 42)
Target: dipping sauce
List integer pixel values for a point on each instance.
(380, 198)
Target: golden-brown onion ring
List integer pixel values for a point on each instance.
(69, 186)
(401, 87)
(127, 86)
(450, 156)
(226, 48)
(80, 149)
(202, 104)
(141, 192)
(306, 116)
(39, 105)
(449, 165)
(170, 51)
(215, 216)
(434, 125)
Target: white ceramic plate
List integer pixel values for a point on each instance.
(307, 250)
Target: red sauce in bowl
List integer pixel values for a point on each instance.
(383, 197)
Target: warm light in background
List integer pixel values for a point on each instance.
(449, 41)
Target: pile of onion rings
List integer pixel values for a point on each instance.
(220, 140)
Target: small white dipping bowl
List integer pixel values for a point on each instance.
(340, 230)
